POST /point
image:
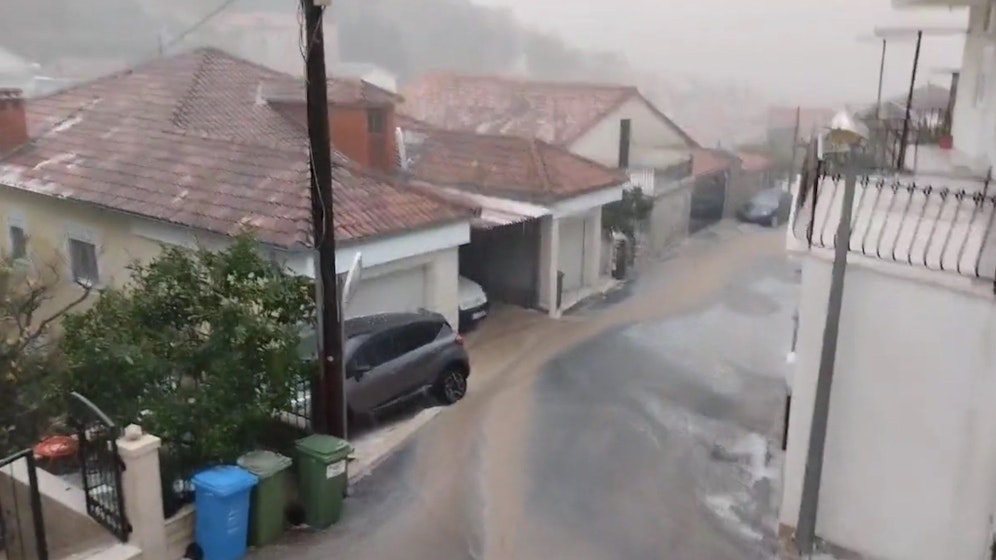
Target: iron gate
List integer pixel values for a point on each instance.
(22, 526)
(100, 465)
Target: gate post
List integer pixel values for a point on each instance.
(143, 491)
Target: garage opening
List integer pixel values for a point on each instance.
(504, 260)
(395, 291)
(708, 203)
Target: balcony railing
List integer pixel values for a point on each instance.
(947, 228)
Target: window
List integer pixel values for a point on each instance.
(415, 336)
(18, 242)
(375, 121)
(377, 350)
(83, 261)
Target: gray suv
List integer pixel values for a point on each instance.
(392, 356)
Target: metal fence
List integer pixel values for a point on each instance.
(942, 228)
(22, 524)
(100, 465)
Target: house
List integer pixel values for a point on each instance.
(187, 151)
(538, 240)
(366, 72)
(782, 126)
(910, 454)
(613, 125)
(757, 173)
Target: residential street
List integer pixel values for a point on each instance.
(645, 426)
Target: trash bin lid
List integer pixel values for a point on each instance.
(327, 448)
(264, 464)
(225, 480)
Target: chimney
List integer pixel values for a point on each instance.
(625, 134)
(13, 120)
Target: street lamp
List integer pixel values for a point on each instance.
(844, 131)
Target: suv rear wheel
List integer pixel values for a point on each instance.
(451, 385)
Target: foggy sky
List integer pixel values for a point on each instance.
(795, 51)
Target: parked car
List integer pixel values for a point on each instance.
(390, 357)
(770, 207)
(473, 303)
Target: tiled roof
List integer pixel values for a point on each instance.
(708, 162)
(555, 112)
(503, 165)
(340, 90)
(186, 140)
(754, 162)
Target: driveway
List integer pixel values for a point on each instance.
(646, 426)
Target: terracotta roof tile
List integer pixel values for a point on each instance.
(754, 162)
(186, 140)
(553, 112)
(708, 162)
(503, 165)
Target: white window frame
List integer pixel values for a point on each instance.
(83, 235)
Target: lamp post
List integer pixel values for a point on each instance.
(844, 131)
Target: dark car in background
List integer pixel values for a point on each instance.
(770, 207)
(390, 357)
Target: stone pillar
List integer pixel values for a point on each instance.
(593, 249)
(143, 492)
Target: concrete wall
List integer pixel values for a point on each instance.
(69, 529)
(911, 442)
(601, 143)
(570, 243)
(669, 220)
(180, 532)
(48, 223)
(973, 129)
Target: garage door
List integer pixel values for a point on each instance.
(708, 201)
(572, 250)
(403, 290)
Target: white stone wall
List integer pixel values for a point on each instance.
(910, 464)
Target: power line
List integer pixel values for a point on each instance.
(200, 23)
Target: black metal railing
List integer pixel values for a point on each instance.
(940, 228)
(887, 148)
(100, 465)
(22, 524)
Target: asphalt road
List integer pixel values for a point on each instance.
(647, 439)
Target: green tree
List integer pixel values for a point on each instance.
(623, 215)
(29, 362)
(200, 348)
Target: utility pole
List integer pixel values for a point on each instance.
(795, 145)
(329, 397)
(805, 535)
(901, 160)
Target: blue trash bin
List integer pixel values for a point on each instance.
(222, 498)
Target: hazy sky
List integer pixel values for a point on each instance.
(804, 51)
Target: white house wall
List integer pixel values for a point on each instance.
(433, 284)
(601, 143)
(910, 454)
(973, 128)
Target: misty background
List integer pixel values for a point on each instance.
(715, 66)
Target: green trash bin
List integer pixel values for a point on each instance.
(321, 465)
(269, 497)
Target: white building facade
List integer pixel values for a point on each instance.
(909, 471)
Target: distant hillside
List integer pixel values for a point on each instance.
(407, 37)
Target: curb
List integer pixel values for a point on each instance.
(411, 428)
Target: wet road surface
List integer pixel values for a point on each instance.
(650, 428)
